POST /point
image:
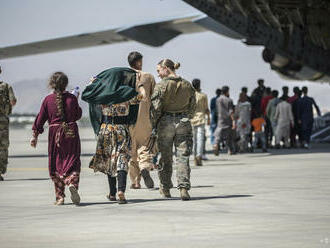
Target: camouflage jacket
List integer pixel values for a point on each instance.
(172, 95)
(6, 96)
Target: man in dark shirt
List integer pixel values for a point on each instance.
(306, 117)
(214, 116)
(296, 129)
(256, 98)
(285, 96)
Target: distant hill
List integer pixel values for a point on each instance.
(30, 93)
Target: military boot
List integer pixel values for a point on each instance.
(184, 194)
(147, 178)
(165, 193)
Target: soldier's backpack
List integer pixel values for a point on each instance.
(5, 106)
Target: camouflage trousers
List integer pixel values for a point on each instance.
(177, 131)
(4, 143)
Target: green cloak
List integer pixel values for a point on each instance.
(112, 86)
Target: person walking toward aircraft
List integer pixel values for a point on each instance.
(268, 127)
(285, 95)
(243, 116)
(7, 101)
(214, 116)
(284, 118)
(61, 110)
(141, 158)
(173, 103)
(256, 98)
(295, 130)
(259, 124)
(198, 122)
(226, 122)
(306, 117)
(271, 109)
(115, 90)
(244, 91)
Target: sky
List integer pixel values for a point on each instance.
(215, 59)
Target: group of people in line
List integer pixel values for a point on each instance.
(136, 121)
(257, 118)
(262, 119)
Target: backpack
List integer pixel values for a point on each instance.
(5, 106)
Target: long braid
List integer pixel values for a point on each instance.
(59, 104)
(58, 81)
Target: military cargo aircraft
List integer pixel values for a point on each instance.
(295, 34)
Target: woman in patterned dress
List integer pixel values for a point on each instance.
(113, 147)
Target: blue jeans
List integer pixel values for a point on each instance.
(259, 136)
(213, 126)
(199, 139)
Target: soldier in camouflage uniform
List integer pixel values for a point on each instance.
(173, 105)
(7, 101)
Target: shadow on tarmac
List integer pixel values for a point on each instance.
(129, 201)
(218, 197)
(202, 186)
(193, 187)
(136, 201)
(86, 204)
(292, 151)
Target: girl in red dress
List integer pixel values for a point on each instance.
(61, 110)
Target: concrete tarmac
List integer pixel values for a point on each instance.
(276, 199)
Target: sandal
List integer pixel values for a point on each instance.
(111, 197)
(59, 202)
(121, 196)
(135, 186)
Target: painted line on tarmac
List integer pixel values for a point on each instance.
(44, 155)
(27, 169)
(35, 169)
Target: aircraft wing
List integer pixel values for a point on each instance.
(60, 44)
(155, 33)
